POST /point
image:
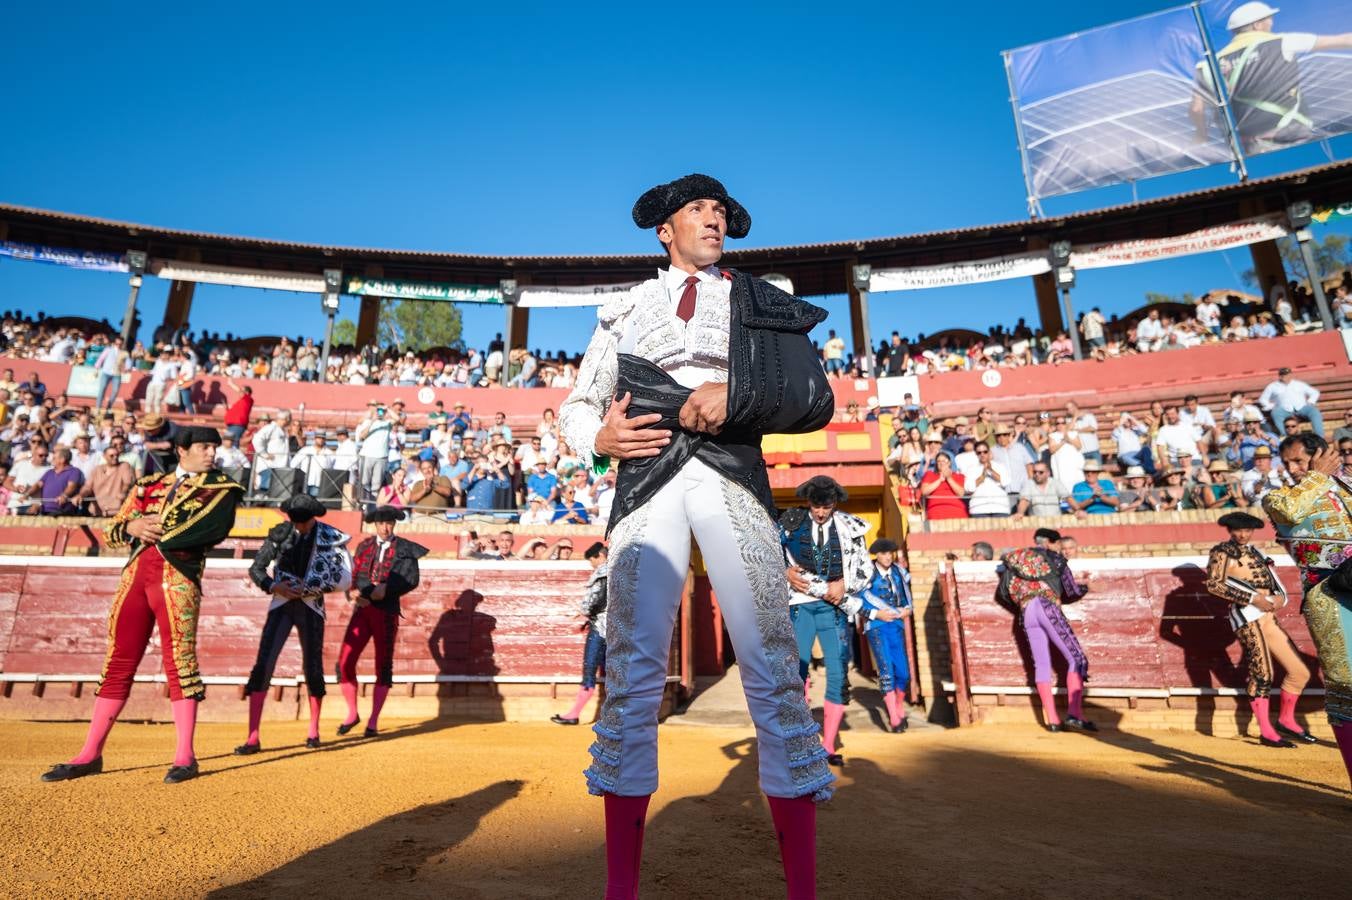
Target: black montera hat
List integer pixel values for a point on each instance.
(1049, 534)
(883, 545)
(196, 434)
(385, 514)
(1235, 520)
(302, 507)
(657, 204)
(822, 490)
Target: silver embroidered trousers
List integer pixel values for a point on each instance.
(649, 559)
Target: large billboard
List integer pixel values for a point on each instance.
(1286, 70)
(1138, 99)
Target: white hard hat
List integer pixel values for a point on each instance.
(1248, 13)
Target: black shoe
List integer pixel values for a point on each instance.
(1280, 742)
(67, 771)
(1055, 727)
(1078, 724)
(560, 720)
(180, 774)
(904, 724)
(312, 743)
(370, 732)
(1303, 736)
(348, 726)
(247, 749)
(835, 759)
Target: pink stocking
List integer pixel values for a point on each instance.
(105, 714)
(1044, 692)
(256, 701)
(378, 696)
(901, 706)
(1075, 690)
(583, 695)
(1343, 735)
(185, 723)
(1260, 712)
(832, 714)
(316, 703)
(807, 691)
(625, 818)
(796, 830)
(350, 695)
(1287, 716)
(893, 717)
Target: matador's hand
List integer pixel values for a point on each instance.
(797, 580)
(706, 409)
(146, 529)
(1326, 461)
(623, 438)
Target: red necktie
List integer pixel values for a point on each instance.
(685, 310)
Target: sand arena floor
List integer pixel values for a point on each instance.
(460, 810)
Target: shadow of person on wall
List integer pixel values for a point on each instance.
(461, 645)
(1198, 624)
(377, 859)
(207, 396)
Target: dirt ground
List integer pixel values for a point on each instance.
(499, 811)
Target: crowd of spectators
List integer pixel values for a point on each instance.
(1172, 456)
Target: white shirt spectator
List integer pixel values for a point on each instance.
(967, 463)
(271, 447)
(1178, 440)
(1087, 426)
(71, 429)
(374, 435)
(1149, 332)
(1290, 396)
(25, 473)
(1256, 485)
(988, 497)
(85, 462)
(1209, 314)
(1067, 461)
(231, 458)
(345, 455)
(1016, 460)
(313, 462)
(1128, 438)
(163, 371)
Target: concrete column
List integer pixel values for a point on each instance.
(179, 307)
(1268, 267)
(367, 321)
(1048, 303)
(859, 330)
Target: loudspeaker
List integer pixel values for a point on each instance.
(331, 482)
(284, 483)
(240, 474)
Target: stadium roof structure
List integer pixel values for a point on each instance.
(816, 269)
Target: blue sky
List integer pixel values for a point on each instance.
(532, 131)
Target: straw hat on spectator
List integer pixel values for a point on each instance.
(1005, 429)
(933, 437)
(1263, 452)
(962, 420)
(1091, 465)
(1135, 472)
(1164, 474)
(1218, 465)
(155, 421)
(1252, 416)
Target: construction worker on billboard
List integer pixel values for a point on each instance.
(1262, 77)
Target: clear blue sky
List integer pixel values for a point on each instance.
(419, 126)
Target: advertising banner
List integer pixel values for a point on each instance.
(1286, 68)
(1115, 104)
(176, 270)
(584, 295)
(64, 256)
(995, 268)
(1207, 240)
(422, 290)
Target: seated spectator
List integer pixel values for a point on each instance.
(538, 511)
(82, 456)
(1235, 331)
(488, 486)
(1135, 494)
(987, 494)
(430, 490)
(1170, 491)
(1344, 430)
(1254, 436)
(395, 493)
(567, 509)
(1130, 437)
(943, 490)
(107, 486)
(1095, 495)
(1174, 441)
(1042, 495)
(562, 550)
(1263, 478)
(59, 486)
(1223, 491)
(535, 549)
(982, 551)
(24, 475)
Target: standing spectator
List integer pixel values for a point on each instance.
(943, 491)
(485, 485)
(272, 449)
(237, 414)
(314, 459)
(184, 377)
(1342, 306)
(1015, 459)
(373, 434)
(162, 374)
(1043, 495)
(1289, 396)
(1095, 495)
(24, 476)
(307, 361)
(1209, 315)
(111, 362)
(986, 486)
(833, 354)
(1085, 424)
(460, 421)
(1064, 445)
(984, 429)
(1135, 494)
(107, 486)
(1091, 326)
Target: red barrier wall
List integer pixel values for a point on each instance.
(468, 618)
(1146, 624)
